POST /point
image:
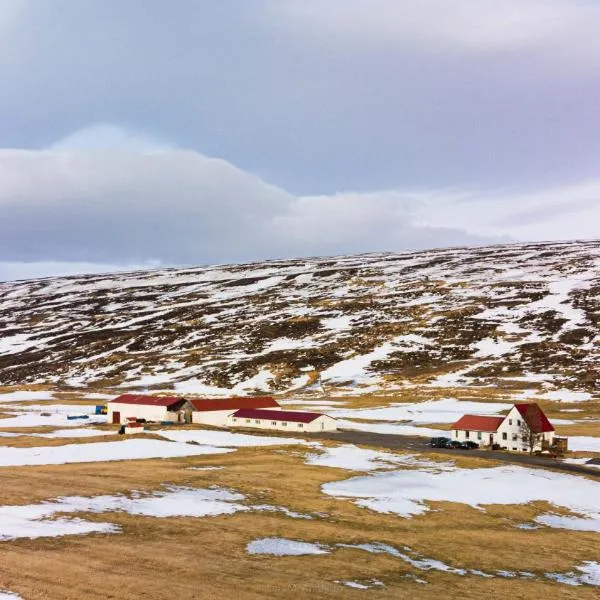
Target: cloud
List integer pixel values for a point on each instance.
(474, 25)
(72, 209)
(112, 204)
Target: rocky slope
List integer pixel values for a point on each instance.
(521, 315)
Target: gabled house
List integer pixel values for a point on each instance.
(524, 429)
(150, 408)
(282, 420)
(216, 412)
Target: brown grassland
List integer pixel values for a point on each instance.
(197, 558)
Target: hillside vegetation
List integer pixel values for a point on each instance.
(519, 315)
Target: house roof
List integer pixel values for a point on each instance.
(534, 416)
(478, 423)
(277, 415)
(146, 400)
(234, 403)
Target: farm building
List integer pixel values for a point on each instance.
(524, 429)
(282, 420)
(216, 412)
(151, 408)
(481, 430)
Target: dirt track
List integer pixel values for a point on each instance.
(421, 444)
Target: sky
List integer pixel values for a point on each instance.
(139, 133)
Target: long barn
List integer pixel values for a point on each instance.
(150, 408)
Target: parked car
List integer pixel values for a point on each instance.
(469, 445)
(454, 444)
(440, 442)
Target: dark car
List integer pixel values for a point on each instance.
(469, 445)
(454, 444)
(440, 442)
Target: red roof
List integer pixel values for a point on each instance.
(277, 415)
(534, 417)
(234, 403)
(147, 400)
(478, 423)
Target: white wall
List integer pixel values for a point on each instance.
(217, 418)
(483, 438)
(323, 423)
(139, 411)
(511, 429)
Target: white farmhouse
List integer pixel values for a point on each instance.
(478, 429)
(150, 408)
(282, 420)
(217, 412)
(525, 428)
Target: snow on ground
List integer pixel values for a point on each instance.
(361, 459)
(392, 429)
(62, 433)
(24, 396)
(564, 395)
(354, 369)
(580, 443)
(226, 438)
(4, 595)
(406, 492)
(101, 451)
(72, 433)
(491, 347)
(36, 520)
(446, 410)
(284, 547)
(287, 344)
(54, 416)
(588, 573)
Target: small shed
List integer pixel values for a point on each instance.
(151, 408)
(282, 420)
(216, 412)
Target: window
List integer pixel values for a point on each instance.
(247, 420)
(514, 448)
(514, 437)
(510, 421)
(235, 420)
(273, 422)
(479, 435)
(300, 424)
(257, 422)
(467, 434)
(504, 436)
(519, 422)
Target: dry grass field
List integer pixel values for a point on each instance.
(197, 558)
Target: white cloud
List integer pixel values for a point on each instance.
(81, 210)
(471, 24)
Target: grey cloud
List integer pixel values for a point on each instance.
(318, 112)
(179, 207)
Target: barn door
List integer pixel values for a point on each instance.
(116, 418)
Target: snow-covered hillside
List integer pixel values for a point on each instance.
(519, 315)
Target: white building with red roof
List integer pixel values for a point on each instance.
(216, 412)
(525, 428)
(282, 420)
(151, 408)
